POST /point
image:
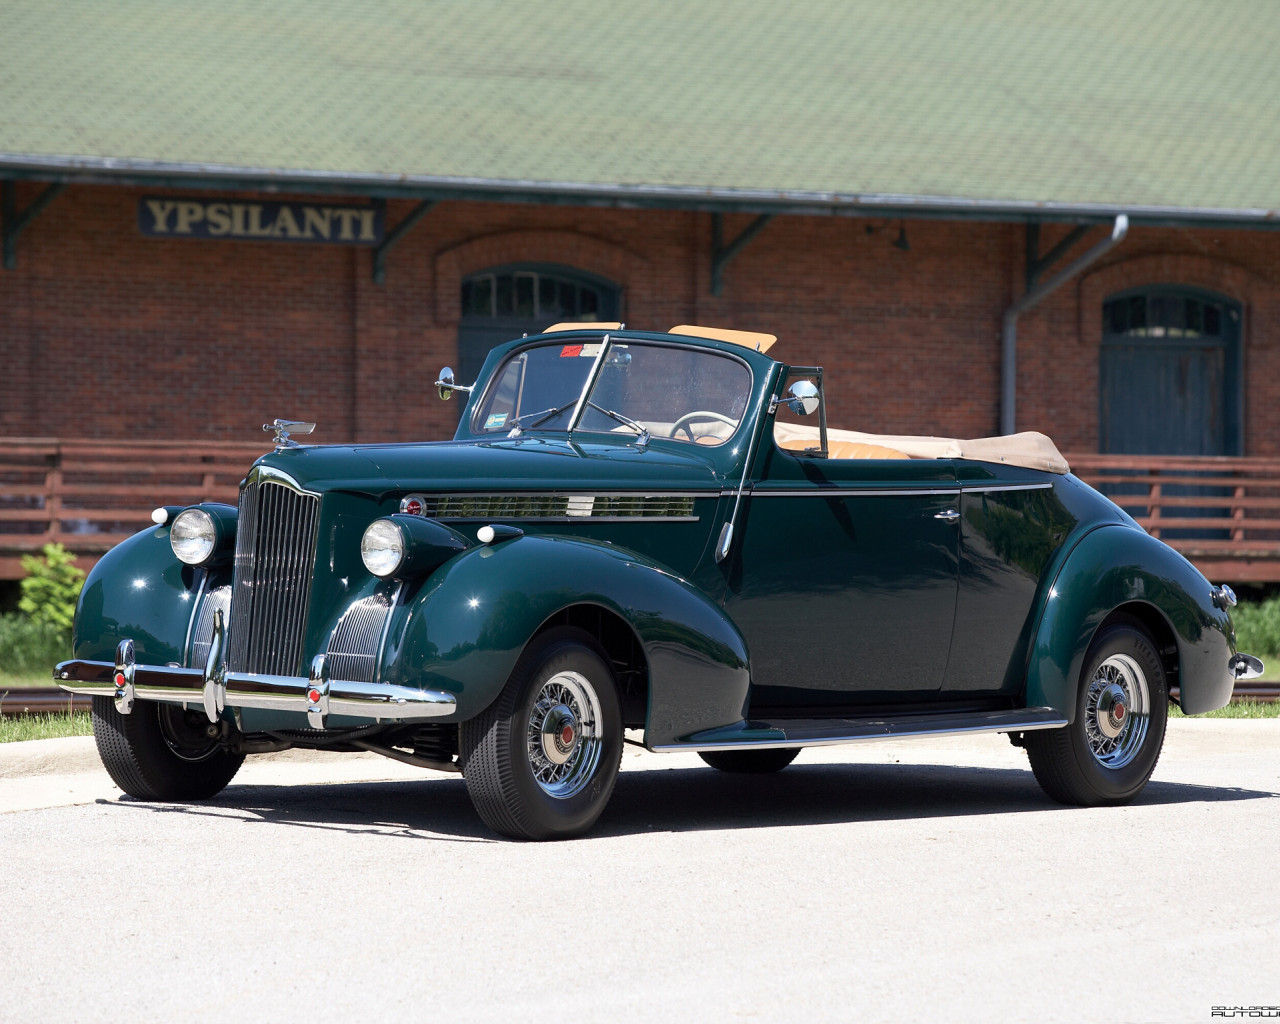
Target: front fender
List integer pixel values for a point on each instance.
(138, 590)
(464, 630)
(1113, 567)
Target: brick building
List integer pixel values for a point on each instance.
(882, 187)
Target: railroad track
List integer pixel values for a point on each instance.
(40, 700)
(43, 700)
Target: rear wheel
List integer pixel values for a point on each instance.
(541, 761)
(1108, 753)
(161, 751)
(753, 762)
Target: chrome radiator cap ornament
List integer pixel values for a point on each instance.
(284, 428)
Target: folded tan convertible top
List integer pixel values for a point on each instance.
(1029, 449)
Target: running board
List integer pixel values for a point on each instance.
(758, 734)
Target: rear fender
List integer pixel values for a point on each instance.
(1120, 568)
(465, 629)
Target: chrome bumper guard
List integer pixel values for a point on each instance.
(1245, 666)
(216, 689)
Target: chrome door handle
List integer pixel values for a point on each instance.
(950, 515)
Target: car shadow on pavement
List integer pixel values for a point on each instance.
(692, 798)
(676, 800)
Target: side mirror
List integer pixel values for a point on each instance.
(446, 385)
(804, 398)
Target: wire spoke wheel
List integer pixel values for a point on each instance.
(541, 761)
(1117, 711)
(1108, 752)
(563, 735)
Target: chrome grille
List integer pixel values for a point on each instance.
(275, 555)
(202, 634)
(353, 651)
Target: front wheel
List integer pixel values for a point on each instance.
(541, 761)
(161, 751)
(1108, 753)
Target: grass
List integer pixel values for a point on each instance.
(26, 680)
(45, 727)
(1245, 708)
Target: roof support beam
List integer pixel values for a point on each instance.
(1037, 264)
(1036, 292)
(721, 254)
(14, 221)
(393, 237)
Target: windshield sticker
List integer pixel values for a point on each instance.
(495, 421)
(580, 350)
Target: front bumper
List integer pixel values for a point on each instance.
(216, 689)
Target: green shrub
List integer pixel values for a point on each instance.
(1258, 627)
(51, 587)
(30, 648)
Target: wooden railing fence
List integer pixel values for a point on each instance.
(1222, 513)
(90, 495)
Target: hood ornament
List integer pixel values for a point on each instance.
(283, 428)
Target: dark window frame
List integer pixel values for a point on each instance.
(1230, 336)
(609, 293)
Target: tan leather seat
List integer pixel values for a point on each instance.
(846, 449)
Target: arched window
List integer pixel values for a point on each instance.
(502, 303)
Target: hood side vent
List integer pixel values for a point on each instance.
(561, 507)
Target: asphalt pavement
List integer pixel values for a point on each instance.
(886, 881)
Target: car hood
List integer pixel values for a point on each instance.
(521, 464)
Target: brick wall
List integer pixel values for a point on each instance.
(106, 333)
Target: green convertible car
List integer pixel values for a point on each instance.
(654, 532)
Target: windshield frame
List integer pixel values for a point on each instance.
(607, 341)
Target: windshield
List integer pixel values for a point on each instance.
(669, 391)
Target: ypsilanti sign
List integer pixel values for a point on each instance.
(336, 224)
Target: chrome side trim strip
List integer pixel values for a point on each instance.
(891, 492)
(983, 488)
(855, 492)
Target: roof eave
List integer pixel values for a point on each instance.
(169, 174)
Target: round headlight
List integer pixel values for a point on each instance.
(193, 536)
(382, 547)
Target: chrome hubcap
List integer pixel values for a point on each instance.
(1117, 711)
(563, 738)
(559, 734)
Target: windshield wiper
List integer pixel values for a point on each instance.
(542, 417)
(626, 421)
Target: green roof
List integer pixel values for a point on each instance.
(990, 106)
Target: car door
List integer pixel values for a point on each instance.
(844, 581)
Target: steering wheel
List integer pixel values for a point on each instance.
(701, 414)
